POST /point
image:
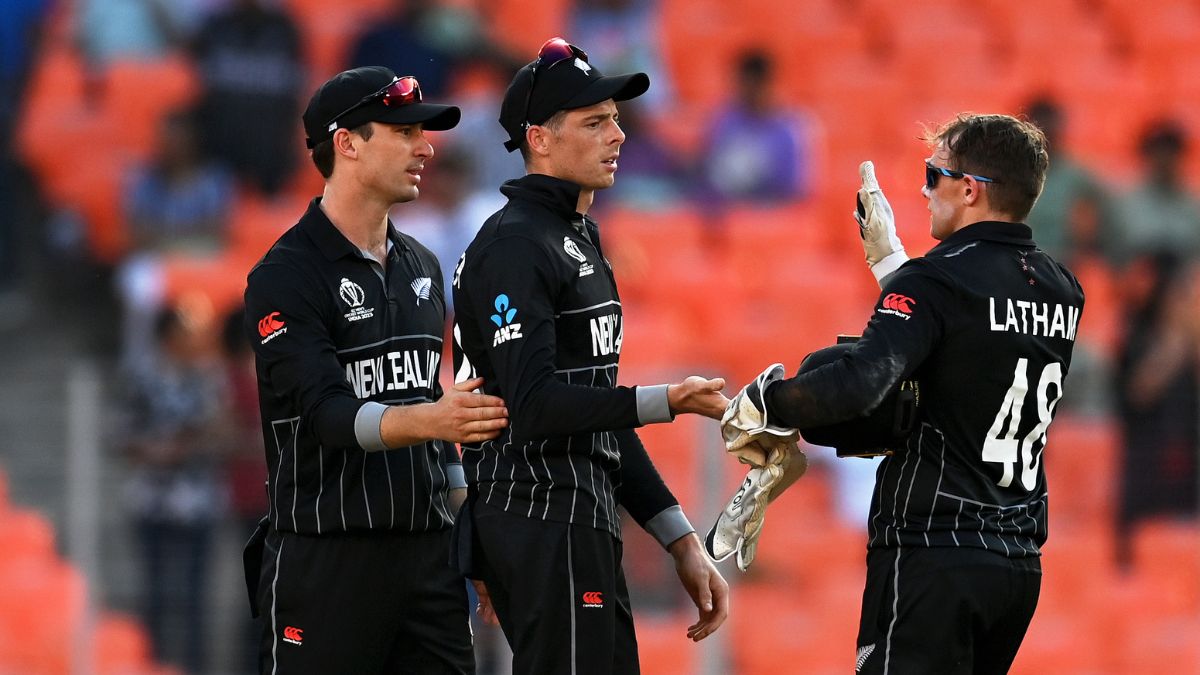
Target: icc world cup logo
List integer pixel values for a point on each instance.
(351, 293)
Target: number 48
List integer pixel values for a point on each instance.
(1006, 449)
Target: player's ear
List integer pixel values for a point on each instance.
(345, 143)
(972, 191)
(538, 139)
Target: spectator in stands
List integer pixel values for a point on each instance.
(756, 151)
(427, 39)
(1074, 208)
(251, 64)
(652, 177)
(114, 29)
(177, 205)
(1160, 213)
(450, 211)
(625, 35)
(172, 408)
(20, 35)
(1158, 394)
(479, 85)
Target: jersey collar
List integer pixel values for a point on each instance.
(1015, 234)
(331, 242)
(556, 194)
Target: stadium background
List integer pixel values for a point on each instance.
(718, 290)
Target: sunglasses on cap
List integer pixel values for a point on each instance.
(934, 173)
(400, 91)
(553, 52)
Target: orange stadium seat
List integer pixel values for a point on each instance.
(663, 647)
(514, 25)
(328, 30)
(1081, 465)
(138, 93)
(1169, 552)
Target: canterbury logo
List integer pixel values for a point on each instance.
(900, 303)
(293, 635)
(269, 324)
(593, 599)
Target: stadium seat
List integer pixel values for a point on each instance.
(138, 93)
(663, 647)
(1169, 553)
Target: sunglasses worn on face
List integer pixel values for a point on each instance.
(555, 51)
(934, 173)
(398, 92)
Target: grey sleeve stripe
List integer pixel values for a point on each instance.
(366, 426)
(455, 476)
(670, 524)
(652, 404)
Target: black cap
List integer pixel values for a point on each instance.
(346, 89)
(565, 85)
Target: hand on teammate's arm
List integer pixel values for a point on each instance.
(460, 415)
(699, 396)
(484, 609)
(703, 583)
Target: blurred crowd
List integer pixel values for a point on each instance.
(230, 144)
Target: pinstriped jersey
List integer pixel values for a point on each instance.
(332, 330)
(985, 323)
(538, 317)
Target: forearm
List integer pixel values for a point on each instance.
(553, 408)
(834, 393)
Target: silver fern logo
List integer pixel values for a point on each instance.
(864, 653)
(421, 286)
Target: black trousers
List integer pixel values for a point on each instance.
(362, 604)
(559, 593)
(944, 611)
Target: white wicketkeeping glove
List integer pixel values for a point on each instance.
(877, 226)
(744, 426)
(741, 521)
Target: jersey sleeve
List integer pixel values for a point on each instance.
(643, 493)
(514, 291)
(907, 322)
(296, 353)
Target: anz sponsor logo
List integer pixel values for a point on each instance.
(607, 335)
(506, 328)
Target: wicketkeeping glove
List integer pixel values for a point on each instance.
(877, 226)
(744, 426)
(741, 521)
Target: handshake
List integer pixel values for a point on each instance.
(771, 451)
(775, 460)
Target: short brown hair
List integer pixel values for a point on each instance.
(322, 153)
(1001, 147)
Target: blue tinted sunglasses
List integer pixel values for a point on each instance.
(933, 173)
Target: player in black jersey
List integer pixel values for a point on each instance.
(984, 323)
(347, 316)
(539, 318)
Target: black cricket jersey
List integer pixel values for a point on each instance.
(337, 337)
(985, 323)
(538, 317)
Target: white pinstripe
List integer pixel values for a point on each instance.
(274, 620)
(359, 348)
(887, 654)
(321, 487)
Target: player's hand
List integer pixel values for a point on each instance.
(698, 395)
(470, 417)
(703, 583)
(744, 425)
(484, 609)
(877, 225)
